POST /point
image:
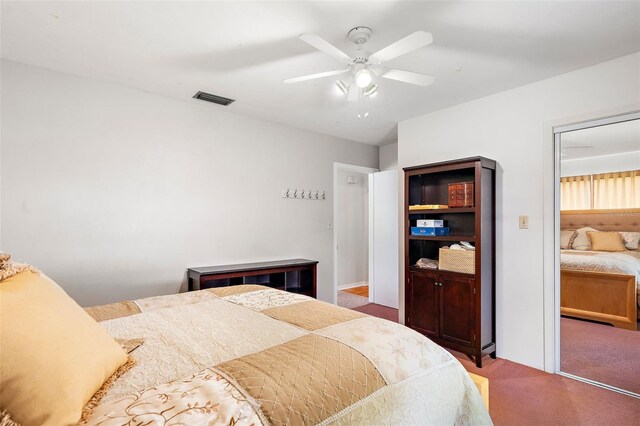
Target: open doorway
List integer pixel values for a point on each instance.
(366, 239)
(598, 207)
(351, 221)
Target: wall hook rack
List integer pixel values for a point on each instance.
(304, 194)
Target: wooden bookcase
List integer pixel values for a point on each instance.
(293, 275)
(453, 309)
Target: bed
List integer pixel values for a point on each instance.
(249, 354)
(601, 286)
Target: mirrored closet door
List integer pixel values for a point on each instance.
(599, 202)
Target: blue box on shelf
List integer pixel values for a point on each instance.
(429, 232)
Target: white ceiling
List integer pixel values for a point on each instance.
(244, 50)
(611, 139)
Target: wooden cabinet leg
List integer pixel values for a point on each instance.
(479, 360)
(493, 355)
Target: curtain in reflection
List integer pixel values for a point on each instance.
(575, 193)
(620, 190)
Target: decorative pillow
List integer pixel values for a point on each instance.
(9, 268)
(606, 241)
(581, 240)
(566, 238)
(631, 240)
(54, 356)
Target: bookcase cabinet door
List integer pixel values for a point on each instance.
(457, 310)
(423, 304)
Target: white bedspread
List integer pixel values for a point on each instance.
(627, 262)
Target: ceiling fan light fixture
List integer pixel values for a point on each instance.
(363, 78)
(370, 90)
(342, 87)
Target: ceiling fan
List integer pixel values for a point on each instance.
(364, 66)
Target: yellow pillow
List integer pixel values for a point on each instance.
(606, 241)
(54, 356)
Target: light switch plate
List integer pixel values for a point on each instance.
(524, 222)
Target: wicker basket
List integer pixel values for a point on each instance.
(463, 261)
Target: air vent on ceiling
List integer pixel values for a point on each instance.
(220, 100)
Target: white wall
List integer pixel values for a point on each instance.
(513, 127)
(114, 192)
(352, 226)
(602, 164)
(388, 157)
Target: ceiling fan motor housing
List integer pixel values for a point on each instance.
(360, 35)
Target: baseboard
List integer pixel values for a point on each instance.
(352, 285)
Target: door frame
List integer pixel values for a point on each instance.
(357, 169)
(551, 222)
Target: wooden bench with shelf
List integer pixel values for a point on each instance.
(293, 275)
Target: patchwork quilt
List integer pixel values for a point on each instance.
(252, 355)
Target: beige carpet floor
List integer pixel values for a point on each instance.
(350, 301)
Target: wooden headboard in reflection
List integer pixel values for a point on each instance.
(602, 220)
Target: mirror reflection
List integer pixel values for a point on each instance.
(599, 254)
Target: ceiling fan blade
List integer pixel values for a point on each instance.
(313, 76)
(326, 47)
(407, 77)
(354, 93)
(409, 43)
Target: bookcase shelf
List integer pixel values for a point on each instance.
(469, 238)
(444, 211)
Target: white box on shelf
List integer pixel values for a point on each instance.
(430, 223)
